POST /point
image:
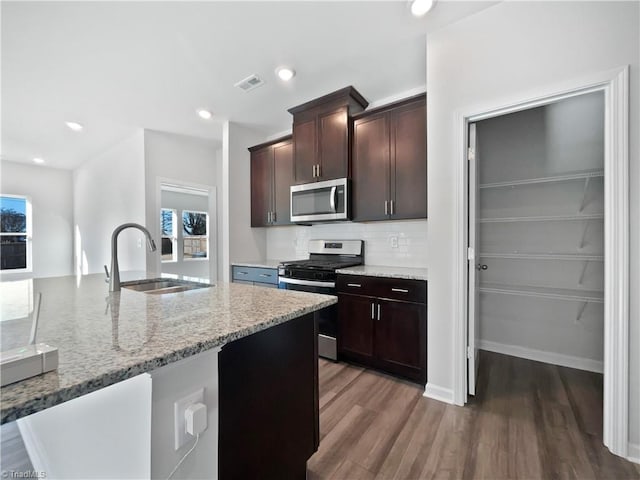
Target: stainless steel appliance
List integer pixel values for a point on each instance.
(318, 275)
(320, 201)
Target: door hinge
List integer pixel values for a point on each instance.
(471, 254)
(471, 154)
(469, 351)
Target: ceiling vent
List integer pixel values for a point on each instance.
(249, 83)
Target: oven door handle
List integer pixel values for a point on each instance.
(310, 283)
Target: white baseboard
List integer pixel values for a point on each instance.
(633, 452)
(543, 356)
(438, 393)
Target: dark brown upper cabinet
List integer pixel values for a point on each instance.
(322, 136)
(389, 168)
(271, 177)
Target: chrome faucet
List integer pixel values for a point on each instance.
(114, 278)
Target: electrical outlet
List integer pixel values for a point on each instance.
(394, 242)
(179, 407)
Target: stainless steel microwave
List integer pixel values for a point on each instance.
(320, 201)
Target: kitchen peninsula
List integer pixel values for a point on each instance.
(267, 361)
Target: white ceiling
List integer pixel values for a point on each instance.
(118, 66)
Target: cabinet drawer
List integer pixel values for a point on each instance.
(392, 288)
(255, 274)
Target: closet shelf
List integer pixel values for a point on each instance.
(544, 292)
(547, 218)
(555, 178)
(545, 256)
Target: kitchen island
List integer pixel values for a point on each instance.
(106, 338)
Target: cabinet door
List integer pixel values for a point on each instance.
(401, 338)
(409, 161)
(283, 179)
(261, 186)
(370, 169)
(355, 327)
(333, 144)
(304, 150)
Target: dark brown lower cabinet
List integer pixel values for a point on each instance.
(268, 402)
(388, 334)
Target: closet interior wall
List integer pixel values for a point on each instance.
(541, 205)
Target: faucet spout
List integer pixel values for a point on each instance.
(114, 279)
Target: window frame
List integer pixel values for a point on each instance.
(28, 234)
(173, 238)
(184, 237)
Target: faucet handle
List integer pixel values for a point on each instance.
(106, 271)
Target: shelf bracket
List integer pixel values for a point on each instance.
(584, 270)
(583, 203)
(583, 242)
(581, 311)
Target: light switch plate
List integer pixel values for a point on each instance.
(179, 407)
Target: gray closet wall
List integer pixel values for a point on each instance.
(541, 204)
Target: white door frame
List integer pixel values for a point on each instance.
(615, 85)
(213, 222)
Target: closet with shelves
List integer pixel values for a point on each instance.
(540, 216)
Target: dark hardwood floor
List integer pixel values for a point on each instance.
(13, 454)
(529, 420)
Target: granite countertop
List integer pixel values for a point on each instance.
(105, 338)
(269, 263)
(388, 272)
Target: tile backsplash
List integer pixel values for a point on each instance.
(290, 243)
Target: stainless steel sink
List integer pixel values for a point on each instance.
(163, 285)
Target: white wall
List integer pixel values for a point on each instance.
(183, 159)
(508, 51)
(109, 190)
(171, 383)
(180, 201)
(103, 434)
(51, 194)
(240, 240)
(291, 242)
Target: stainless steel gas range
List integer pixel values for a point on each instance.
(317, 274)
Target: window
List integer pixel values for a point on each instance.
(15, 233)
(195, 228)
(169, 234)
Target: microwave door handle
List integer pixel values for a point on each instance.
(332, 198)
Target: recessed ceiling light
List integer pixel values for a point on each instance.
(205, 114)
(75, 126)
(421, 7)
(285, 73)
(38, 160)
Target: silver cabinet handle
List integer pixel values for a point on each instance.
(265, 274)
(273, 217)
(357, 285)
(332, 198)
(391, 207)
(314, 171)
(378, 311)
(400, 290)
(386, 207)
(318, 170)
(268, 217)
(242, 273)
(373, 317)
